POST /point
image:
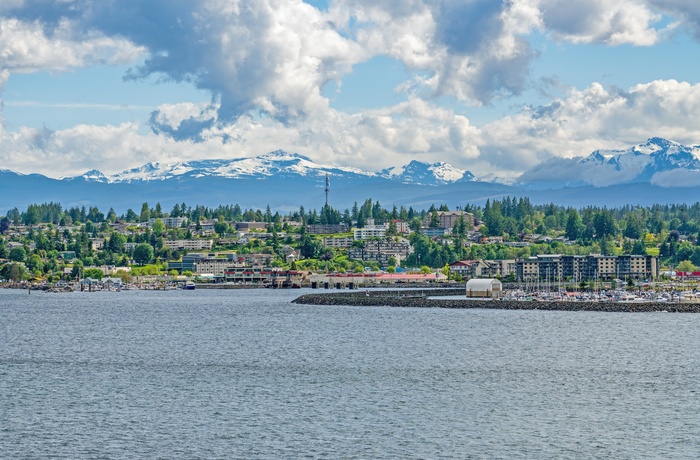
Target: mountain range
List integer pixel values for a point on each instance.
(279, 164)
(658, 162)
(657, 171)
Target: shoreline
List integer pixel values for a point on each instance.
(400, 299)
(74, 287)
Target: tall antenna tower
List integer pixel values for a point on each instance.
(328, 188)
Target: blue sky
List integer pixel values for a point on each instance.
(490, 87)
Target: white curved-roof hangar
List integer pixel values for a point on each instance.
(484, 288)
(484, 284)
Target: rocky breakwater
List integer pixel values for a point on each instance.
(415, 300)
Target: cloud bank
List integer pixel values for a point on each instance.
(266, 64)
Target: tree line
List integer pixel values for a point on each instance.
(672, 231)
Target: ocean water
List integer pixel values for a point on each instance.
(246, 374)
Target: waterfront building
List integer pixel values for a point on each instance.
(555, 267)
(481, 268)
(488, 288)
(265, 275)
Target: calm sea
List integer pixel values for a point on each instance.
(246, 374)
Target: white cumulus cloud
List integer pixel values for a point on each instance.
(591, 119)
(25, 47)
(612, 22)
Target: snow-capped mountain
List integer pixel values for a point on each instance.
(658, 162)
(267, 165)
(91, 176)
(658, 171)
(279, 163)
(417, 172)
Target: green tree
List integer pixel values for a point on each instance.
(131, 216)
(493, 218)
(434, 220)
(686, 266)
(574, 225)
(4, 225)
(158, 226)
(31, 217)
(94, 273)
(145, 213)
(604, 224)
(415, 225)
(446, 270)
(116, 243)
(684, 251)
(14, 272)
(143, 253)
(35, 263)
(77, 269)
(639, 248)
(18, 254)
(221, 227)
(460, 228)
(636, 227)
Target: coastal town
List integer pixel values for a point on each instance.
(367, 246)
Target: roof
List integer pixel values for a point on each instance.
(483, 284)
(461, 262)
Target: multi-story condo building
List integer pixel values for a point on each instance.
(381, 251)
(448, 219)
(638, 266)
(402, 226)
(433, 232)
(595, 266)
(502, 268)
(339, 242)
(370, 231)
(265, 275)
(327, 229)
(602, 267)
(216, 265)
(483, 268)
(196, 244)
(172, 222)
(213, 264)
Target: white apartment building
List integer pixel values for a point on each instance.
(189, 245)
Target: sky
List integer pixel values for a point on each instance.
(493, 87)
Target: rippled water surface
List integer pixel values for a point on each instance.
(246, 374)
